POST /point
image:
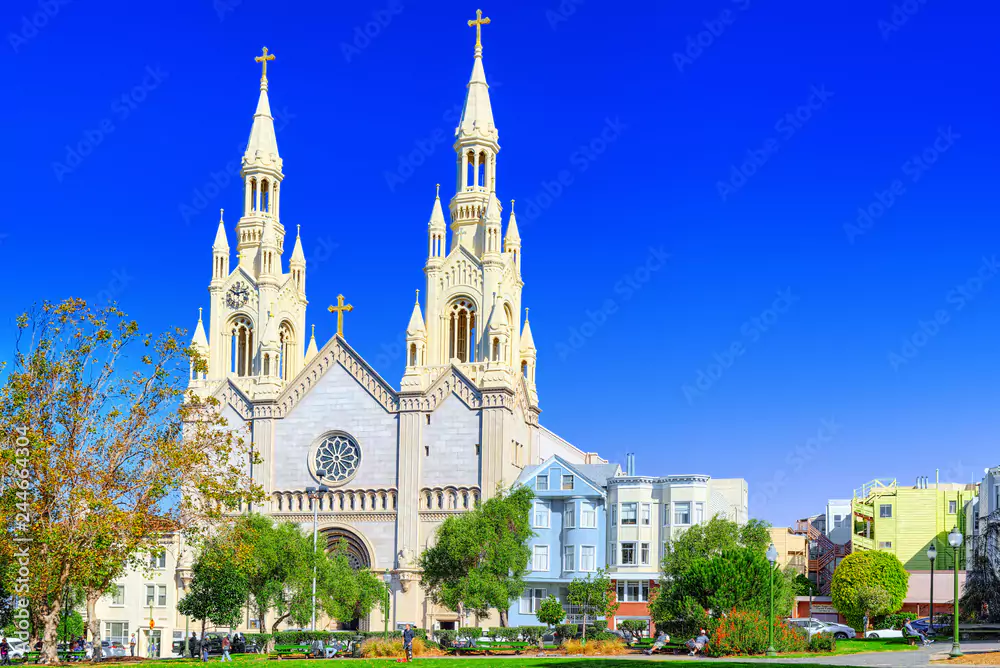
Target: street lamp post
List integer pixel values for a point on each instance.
(313, 494)
(387, 578)
(772, 557)
(931, 556)
(955, 540)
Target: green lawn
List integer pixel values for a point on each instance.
(507, 662)
(858, 647)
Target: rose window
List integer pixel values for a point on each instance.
(339, 456)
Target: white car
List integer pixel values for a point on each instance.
(884, 633)
(812, 626)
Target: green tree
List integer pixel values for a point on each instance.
(344, 593)
(551, 611)
(480, 557)
(595, 594)
(736, 579)
(636, 627)
(713, 537)
(858, 579)
(218, 589)
(71, 626)
(802, 585)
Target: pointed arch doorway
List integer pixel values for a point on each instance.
(358, 556)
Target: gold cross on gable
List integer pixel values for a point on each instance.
(339, 309)
(263, 60)
(479, 23)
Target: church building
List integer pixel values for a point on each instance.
(386, 460)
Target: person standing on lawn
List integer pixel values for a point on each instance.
(408, 643)
(226, 645)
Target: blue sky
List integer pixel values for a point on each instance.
(734, 214)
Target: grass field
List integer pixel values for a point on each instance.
(845, 647)
(507, 662)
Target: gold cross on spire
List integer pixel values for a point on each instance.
(479, 23)
(339, 309)
(263, 61)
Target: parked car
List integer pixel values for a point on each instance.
(18, 648)
(923, 625)
(812, 626)
(884, 633)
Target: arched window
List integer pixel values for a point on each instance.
(253, 194)
(481, 179)
(524, 368)
(470, 173)
(413, 354)
(462, 330)
(242, 346)
(265, 196)
(286, 338)
(496, 350)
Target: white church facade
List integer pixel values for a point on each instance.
(391, 460)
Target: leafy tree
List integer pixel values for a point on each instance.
(551, 612)
(736, 579)
(595, 594)
(105, 443)
(344, 593)
(71, 626)
(711, 538)
(868, 583)
(480, 557)
(218, 589)
(801, 585)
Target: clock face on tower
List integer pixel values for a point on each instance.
(238, 295)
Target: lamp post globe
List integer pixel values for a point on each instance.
(931, 556)
(955, 540)
(772, 557)
(387, 579)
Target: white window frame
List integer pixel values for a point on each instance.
(885, 545)
(572, 482)
(881, 510)
(644, 554)
(569, 555)
(666, 514)
(569, 515)
(614, 514)
(538, 480)
(699, 512)
(646, 515)
(633, 509)
(625, 596)
(613, 553)
(118, 597)
(123, 639)
(529, 596)
(535, 556)
(677, 504)
(635, 553)
(150, 594)
(541, 505)
(161, 596)
(952, 504)
(586, 509)
(593, 556)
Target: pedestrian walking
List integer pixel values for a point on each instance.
(4, 652)
(131, 645)
(226, 645)
(408, 643)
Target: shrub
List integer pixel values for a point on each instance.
(508, 633)
(862, 575)
(446, 637)
(470, 632)
(551, 611)
(822, 642)
(611, 646)
(744, 632)
(599, 625)
(566, 631)
(532, 634)
(377, 648)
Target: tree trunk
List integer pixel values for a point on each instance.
(503, 618)
(50, 633)
(94, 624)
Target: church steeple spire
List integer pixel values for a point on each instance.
(262, 175)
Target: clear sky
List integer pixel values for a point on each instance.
(734, 213)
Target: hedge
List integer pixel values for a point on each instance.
(305, 637)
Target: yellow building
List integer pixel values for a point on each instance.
(905, 520)
(791, 549)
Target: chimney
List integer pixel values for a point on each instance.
(630, 463)
(937, 478)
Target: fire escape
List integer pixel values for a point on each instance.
(827, 553)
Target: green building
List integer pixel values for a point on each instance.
(905, 520)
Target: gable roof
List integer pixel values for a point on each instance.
(592, 474)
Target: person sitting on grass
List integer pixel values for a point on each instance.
(661, 640)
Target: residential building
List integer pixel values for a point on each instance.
(646, 513)
(828, 537)
(792, 548)
(838, 525)
(569, 521)
(148, 591)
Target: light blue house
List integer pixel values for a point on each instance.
(569, 520)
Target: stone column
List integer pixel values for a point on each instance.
(407, 508)
(263, 444)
